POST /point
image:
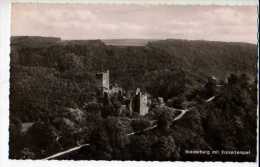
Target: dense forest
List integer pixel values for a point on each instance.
(54, 104)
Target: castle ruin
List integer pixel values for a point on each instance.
(138, 102)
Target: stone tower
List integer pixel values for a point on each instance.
(139, 103)
(143, 104)
(103, 81)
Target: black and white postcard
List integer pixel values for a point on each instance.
(133, 82)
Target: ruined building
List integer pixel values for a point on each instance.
(103, 81)
(139, 103)
(115, 88)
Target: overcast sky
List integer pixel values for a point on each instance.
(92, 21)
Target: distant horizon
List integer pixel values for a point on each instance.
(154, 39)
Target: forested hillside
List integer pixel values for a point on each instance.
(51, 77)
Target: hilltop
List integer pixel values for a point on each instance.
(201, 58)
